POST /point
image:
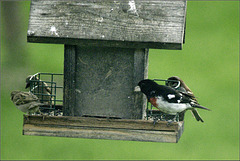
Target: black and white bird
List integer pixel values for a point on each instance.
(167, 99)
(179, 85)
(41, 89)
(26, 102)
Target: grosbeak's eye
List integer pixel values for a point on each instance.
(142, 84)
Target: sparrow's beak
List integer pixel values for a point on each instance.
(27, 85)
(137, 89)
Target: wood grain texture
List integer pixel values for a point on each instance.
(102, 128)
(118, 23)
(69, 93)
(105, 82)
(140, 73)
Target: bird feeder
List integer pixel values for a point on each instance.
(106, 45)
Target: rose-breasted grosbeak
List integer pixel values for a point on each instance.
(178, 84)
(41, 89)
(167, 99)
(26, 102)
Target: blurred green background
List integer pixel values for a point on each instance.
(209, 64)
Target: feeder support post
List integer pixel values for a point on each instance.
(100, 81)
(69, 95)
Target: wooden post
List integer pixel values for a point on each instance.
(102, 81)
(69, 93)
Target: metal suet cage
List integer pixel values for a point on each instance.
(49, 89)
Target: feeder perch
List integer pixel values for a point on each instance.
(106, 46)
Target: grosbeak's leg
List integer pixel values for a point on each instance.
(163, 116)
(155, 120)
(176, 119)
(169, 122)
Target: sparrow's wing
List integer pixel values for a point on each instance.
(29, 97)
(34, 105)
(24, 98)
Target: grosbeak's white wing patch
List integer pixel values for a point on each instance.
(170, 96)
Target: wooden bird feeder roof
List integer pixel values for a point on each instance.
(118, 23)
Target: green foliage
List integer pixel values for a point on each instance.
(209, 64)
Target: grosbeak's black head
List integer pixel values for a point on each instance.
(174, 82)
(147, 85)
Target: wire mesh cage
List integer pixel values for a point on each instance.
(155, 114)
(48, 87)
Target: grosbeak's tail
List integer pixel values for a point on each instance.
(198, 106)
(196, 115)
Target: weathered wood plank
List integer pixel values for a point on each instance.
(69, 94)
(101, 123)
(94, 133)
(118, 23)
(140, 73)
(99, 128)
(105, 82)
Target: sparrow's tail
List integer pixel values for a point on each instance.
(199, 106)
